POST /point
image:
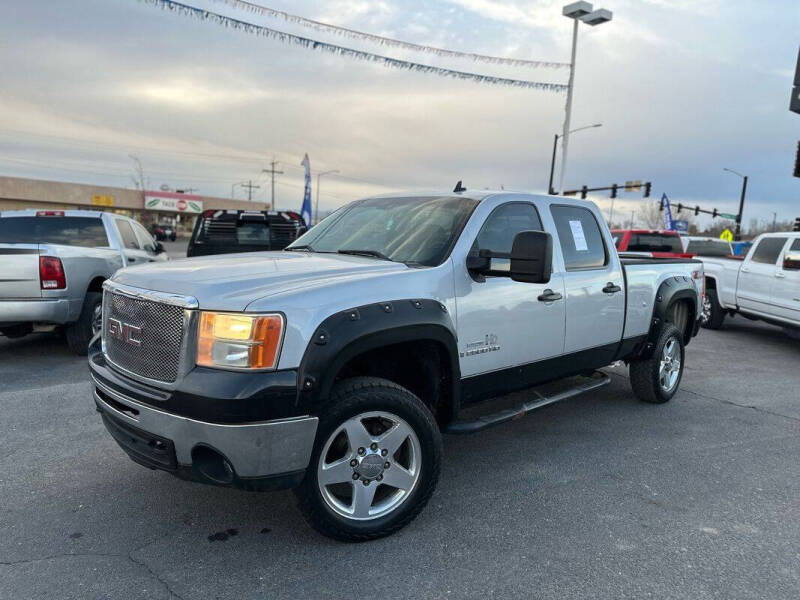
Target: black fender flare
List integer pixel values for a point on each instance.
(349, 333)
(678, 287)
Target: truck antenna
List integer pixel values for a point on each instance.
(459, 187)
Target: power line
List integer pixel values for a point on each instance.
(386, 41)
(272, 172)
(385, 61)
(250, 187)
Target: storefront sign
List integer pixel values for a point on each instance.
(172, 203)
(102, 200)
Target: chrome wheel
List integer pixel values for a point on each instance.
(670, 367)
(97, 319)
(705, 316)
(369, 466)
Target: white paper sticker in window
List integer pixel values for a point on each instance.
(578, 237)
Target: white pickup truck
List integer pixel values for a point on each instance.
(53, 264)
(765, 285)
(333, 366)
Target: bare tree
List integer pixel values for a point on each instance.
(138, 173)
(651, 216)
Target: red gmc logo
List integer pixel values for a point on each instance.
(124, 332)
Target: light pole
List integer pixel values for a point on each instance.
(550, 189)
(577, 11)
(737, 235)
(316, 201)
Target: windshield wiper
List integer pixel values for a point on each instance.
(306, 247)
(372, 253)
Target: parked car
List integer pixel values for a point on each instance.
(230, 231)
(764, 286)
(706, 246)
(53, 264)
(164, 232)
(335, 365)
(649, 242)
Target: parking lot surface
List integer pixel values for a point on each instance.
(600, 496)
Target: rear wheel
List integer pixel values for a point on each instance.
(89, 323)
(656, 379)
(713, 314)
(375, 462)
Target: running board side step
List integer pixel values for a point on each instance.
(593, 382)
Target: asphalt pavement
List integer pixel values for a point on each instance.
(600, 496)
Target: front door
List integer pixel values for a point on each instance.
(786, 288)
(757, 275)
(501, 322)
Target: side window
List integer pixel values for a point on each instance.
(768, 250)
(580, 237)
(126, 232)
(795, 247)
(506, 221)
(145, 238)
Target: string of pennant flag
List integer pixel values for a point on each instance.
(312, 44)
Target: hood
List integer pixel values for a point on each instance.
(232, 281)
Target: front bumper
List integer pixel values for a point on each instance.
(36, 310)
(265, 454)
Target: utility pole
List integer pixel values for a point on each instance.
(737, 234)
(272, 173)
(250, 187)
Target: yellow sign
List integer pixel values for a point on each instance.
(633, 186)
(726, 235)
(100, 200)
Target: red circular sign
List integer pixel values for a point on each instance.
(181, 204)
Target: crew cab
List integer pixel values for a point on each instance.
(764, 286)
(335, 365)
(649, 242)
(53, 264)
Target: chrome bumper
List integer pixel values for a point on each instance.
(253, 449)
(36, 311)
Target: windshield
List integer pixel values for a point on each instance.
(709, 248)
(417, 231)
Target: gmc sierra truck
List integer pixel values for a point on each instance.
(53, 264)
(764, 286)
(335, 365)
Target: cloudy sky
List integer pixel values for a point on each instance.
(683, 88)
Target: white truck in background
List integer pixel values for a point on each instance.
(764, 286)
(53, 264)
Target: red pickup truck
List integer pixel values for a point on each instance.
(652, 242)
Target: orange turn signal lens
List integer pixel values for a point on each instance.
(239, 341)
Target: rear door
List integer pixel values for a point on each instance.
(757, 274)
(594, 284)
(786, 288)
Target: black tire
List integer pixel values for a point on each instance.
(645, 374)
(713, 313)
(80, 333)
(350, 398)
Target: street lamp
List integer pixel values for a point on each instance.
(577, 11)
(550, 189)
(737, 235)
(316, 202)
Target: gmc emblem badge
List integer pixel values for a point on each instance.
(124, 332)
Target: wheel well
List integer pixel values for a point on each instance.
(96, 285)
(681, 313)
(420, 366)
(711, 283)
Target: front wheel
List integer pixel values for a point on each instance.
(89, 323)
(656, 379)
(375, 462)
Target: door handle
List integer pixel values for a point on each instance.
(780, 275)
(131, 259)
(611, 288)
(549, 296)
(745, 270)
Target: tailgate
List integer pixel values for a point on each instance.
(19, 271)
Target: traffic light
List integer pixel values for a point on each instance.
(614, 191)
(796, 224)
(797, 161)
(680, 207)
(714, 213)
(647, 190)
(584, 189)
(696, 210)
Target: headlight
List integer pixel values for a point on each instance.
(239, 341)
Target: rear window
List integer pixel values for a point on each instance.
(87, 232)
(231, 230)
(580, 237)
(768, 250)
(708, 248)
(654, 242)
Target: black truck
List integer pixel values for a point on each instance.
(231, 231)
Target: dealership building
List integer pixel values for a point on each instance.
(147, 207)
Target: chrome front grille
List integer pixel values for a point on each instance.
(144, 336)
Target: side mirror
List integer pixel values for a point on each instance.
(477, 262)
(159, 248)
(532, 257)
(791, 261)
